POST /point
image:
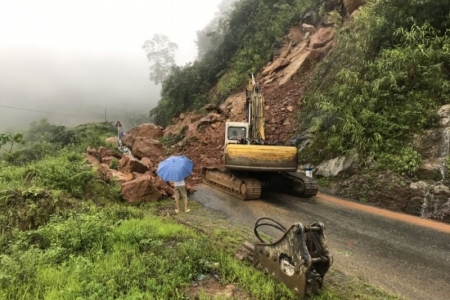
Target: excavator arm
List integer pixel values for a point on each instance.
(255, 112)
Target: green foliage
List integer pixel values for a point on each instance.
(114, 164)
(68, 171)
(9, 140)
(50, 179)
(94, 255)
(382, 83)
(43, 139)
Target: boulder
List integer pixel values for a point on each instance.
(162, 185)
(91, 159)
(308, 28)
(280, 63)
(146, 147)
(120, 177)
(139, 190)
(94, 153)
(430, 200)
(322, 37)
(431, 169)
(128, 164)
(336, 165)
(104, 152)
(112, 141)
(444, 115)
(295, 34)
(147, 162)
(108, 159)
(212, 108)
(146, 130)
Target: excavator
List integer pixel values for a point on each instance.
(250, 163)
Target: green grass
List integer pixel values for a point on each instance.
(65, 234)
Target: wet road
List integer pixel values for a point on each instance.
(408, 259)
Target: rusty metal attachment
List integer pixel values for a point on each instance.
(299, 259)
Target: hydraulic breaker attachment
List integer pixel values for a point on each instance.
(299, 259)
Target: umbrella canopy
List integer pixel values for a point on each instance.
(175, 168)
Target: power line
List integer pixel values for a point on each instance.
(41, 111)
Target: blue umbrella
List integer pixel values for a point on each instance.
(175, 168)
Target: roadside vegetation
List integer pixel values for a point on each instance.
(381, 85)
(66, 234)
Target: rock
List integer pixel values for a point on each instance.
(444, 115)
(112, 141)
(146, 130)
(419, 185)
(104, 152)
(441, 189)
(120, 177)
(147, 162)
(105, 172)
(182, 115)
(300, 61)
(91, 159)
(213, 108)
(336, 165)
(430, 170)
(290, 108)
(146, 147)
(352, 5)
(308, 28)
(286, 50)
(108, 159)
(321, 38)
(163, 186)
(128, 164)
(295, 35)
(277, 65)
(139, 190)
(94, 153)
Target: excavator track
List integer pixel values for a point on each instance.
(240, 187)
(303, 185)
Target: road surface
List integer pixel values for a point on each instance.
(405, 255)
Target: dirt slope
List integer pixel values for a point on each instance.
(282, 82)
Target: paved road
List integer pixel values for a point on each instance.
(407, 259)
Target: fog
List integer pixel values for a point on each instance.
(75, 62)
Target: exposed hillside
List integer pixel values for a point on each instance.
(369, 115)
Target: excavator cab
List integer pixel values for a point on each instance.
(236, 132)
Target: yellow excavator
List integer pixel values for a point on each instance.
(251, 164)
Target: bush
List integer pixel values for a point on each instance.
(382, 84)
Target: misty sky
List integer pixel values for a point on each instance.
(80, 57)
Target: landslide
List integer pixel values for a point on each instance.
(361, 87)
(360, 90)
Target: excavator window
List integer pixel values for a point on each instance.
(236, 133)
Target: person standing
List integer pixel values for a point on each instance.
(180, 192)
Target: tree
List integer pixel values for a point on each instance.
(10, 140)
(160, 51)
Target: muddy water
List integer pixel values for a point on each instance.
(407, 256)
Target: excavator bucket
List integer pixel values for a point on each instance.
(299, 259)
